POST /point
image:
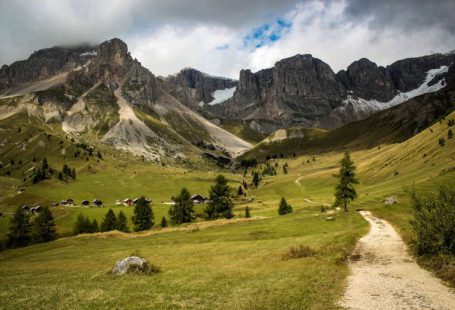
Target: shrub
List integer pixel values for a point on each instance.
(434, 221)
(300, 251)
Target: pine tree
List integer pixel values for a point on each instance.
(143, 215)
(285, 168)
(442, 142)
(45, 165)
(247, 212)
(122, 222)
(43, 228)
(110, 221)
(182, 211)
(220, 204)
(99, 155)
(284, 207)
(60, 176)
(450, 134)
(83, 225)
(95, 226)
(19, 231)
(163, 222)
(256, 179)
(345, 191)
(73, 174)
(240, 191)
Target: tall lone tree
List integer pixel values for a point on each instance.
(143, 215)
(182, 211)
(19, 231)
(220, 204)
(43, 228)
(345, 191)
(109, 222)
(122, 222)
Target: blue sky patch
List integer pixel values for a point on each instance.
(267, 33)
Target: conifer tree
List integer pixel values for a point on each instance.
(95, 226)
(19, 231)
(284, 207)
(109, 222)
(220, 205)
(256, 179)
(449, 134)
(285, 168)
(163, 222)
(122, 222)
(143, 215)
(45, 165)
(182, 211)
(247, 212)
(43, 228)
(345, 191)
(240, 191)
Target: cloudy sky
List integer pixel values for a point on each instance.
(221, 37)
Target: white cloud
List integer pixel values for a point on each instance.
(169, 35)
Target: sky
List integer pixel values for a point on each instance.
(221, 37)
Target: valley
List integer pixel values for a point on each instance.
(101, 127)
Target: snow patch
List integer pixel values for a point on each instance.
(92, 53)
(424, 88)
(222, 95)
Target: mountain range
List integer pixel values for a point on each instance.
(102, 95)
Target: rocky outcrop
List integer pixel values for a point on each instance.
(192, 87)
(368, 81)
(408, 74)
(43, 64)
(303, 90)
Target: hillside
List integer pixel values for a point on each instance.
(390, 126)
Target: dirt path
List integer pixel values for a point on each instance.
(385, 276)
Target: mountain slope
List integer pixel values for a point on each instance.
(112, 99)
(303, 90)
(392, 125)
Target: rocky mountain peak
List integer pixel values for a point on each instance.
(368, 81)
(191, 86)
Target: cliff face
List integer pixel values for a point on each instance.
(194, 88)
(43, 64)
(303, 90)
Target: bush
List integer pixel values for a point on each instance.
(300, 251)
(434, 221)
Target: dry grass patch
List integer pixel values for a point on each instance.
(299, 251)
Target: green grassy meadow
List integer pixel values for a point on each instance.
(235, 264)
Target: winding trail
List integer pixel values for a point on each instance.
(385, 276)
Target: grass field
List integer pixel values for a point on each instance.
(221, 265)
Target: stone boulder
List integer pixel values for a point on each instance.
(390, 201)
(133, 265)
